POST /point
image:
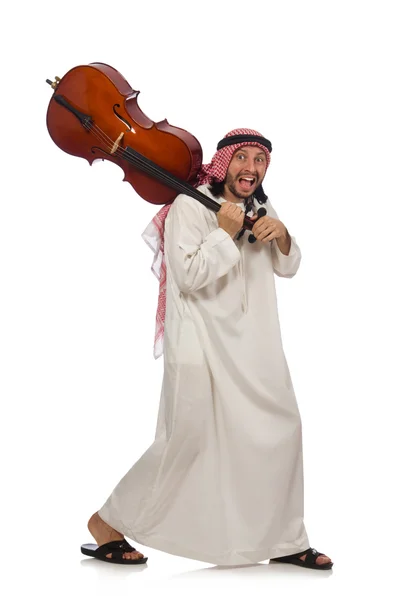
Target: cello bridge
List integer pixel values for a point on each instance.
(117, 143)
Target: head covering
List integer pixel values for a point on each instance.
(215, 171)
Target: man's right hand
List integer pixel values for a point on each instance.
(230, 218)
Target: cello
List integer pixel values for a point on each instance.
(94, 114)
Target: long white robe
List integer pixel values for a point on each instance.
(223, 480)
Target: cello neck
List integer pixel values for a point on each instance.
(183, 187)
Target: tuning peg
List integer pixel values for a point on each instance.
(53, 84)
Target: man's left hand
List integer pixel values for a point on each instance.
(267, 229)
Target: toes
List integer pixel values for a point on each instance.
(322, 560)
(132, 555)
(128, 555)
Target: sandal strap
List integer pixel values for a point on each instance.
(298, 554)
(117, 548)
(311, 556)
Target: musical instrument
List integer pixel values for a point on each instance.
(94, 114)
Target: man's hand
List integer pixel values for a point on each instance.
(230, 218)
(267, 229)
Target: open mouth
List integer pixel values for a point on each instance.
(247, 183)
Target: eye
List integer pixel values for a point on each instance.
(239, 156)
(259, 158)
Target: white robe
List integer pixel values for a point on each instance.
(223, 480)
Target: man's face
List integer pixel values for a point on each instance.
(246, 171)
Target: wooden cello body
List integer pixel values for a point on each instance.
(94, 114)
(100, 94)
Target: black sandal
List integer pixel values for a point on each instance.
(309, 562)
(117, 549)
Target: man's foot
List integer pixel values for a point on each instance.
(103, 533)
(320, 560)
(310, 559)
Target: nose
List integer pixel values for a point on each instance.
(251, 167)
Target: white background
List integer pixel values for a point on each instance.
(79, 385)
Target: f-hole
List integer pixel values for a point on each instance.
(121, 118)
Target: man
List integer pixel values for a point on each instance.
(223, 480)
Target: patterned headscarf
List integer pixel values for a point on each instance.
(215, 171)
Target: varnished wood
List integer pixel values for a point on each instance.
(97, 90)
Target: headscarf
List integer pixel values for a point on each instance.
(215, 171)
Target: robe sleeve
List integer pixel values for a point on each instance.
(284, 265)
(196, 257)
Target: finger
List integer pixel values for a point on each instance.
(264, 235)
(263, 230)
(234, 211)
(262, 224)
(265, 219)
(271, 237)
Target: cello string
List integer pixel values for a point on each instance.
(141, 162)
(146, 166)
(138, 159)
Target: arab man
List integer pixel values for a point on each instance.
(222, 481)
